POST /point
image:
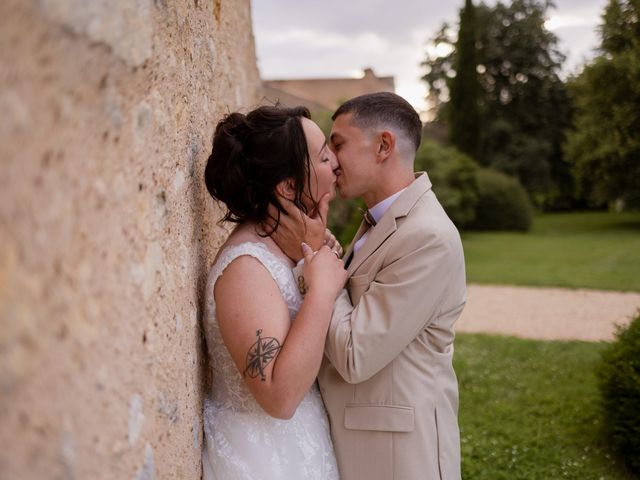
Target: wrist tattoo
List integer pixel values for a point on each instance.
(260, 355)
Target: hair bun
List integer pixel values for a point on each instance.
(251, 154)
(233, 125)
(224, 174)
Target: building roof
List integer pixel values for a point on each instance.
(325, 93)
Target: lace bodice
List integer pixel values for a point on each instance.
(242, 442)
(229, 389)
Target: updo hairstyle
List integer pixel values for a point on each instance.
(253, 153)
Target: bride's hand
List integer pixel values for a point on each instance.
(332, 242)
(324, 272)
(295, 227)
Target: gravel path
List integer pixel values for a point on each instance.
(546, 313)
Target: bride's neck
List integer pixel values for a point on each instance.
(253, 232)
(250, 229)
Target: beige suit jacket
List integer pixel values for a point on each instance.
(387, 378)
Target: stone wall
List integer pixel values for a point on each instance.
(106, 231)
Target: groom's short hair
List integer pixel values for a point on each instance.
(383, 109)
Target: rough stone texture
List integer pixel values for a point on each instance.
(106, 231)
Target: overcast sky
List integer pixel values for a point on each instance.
(338, 38)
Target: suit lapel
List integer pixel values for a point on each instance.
(377, 236)
(387, 224)
(347, 255)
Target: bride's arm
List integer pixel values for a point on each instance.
(251, 311)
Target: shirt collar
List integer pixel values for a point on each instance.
(379, 209)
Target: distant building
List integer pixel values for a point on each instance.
(324, 93)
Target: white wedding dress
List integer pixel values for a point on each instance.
(241, 440)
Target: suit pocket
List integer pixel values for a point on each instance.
(358, 284)
(381, 418)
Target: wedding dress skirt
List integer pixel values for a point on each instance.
(242, 442)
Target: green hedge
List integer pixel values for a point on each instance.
(453, 175)
(473, 197)
(503, 204)
(619, 381)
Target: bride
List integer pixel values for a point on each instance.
(264, 417)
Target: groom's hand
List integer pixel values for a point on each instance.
(296, 227)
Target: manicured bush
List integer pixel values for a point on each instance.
(619, 382)
(453, 175)
(502, 203)
(345, 217)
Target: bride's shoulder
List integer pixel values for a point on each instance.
(231, 252)
(244, 240)
(237, 263)
(245, 268)
(241, 248)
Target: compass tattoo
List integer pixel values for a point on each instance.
(260, 355)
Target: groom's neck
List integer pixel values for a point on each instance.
(388, 185)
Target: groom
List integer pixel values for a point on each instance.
(389, 384)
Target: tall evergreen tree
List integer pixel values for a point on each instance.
(604, 146)
(464, 114)
(521, 98)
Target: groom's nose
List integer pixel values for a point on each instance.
(335, 164)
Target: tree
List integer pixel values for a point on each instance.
(523, 102)
(604, 145)
(464, 114)
(453, 175)
(439, 70)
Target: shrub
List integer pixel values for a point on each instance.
(619, 382)
(453, 175)
(344, 219)
(502, 204)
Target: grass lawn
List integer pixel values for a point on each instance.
(587, 249)
(529, 410)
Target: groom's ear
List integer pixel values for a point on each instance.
(287, 189)
(386, 142)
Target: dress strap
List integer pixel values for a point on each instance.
(276, 266)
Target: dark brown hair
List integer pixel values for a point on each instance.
(251, 154)
(383, 109)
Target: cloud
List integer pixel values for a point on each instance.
(332, 38)
(395, 19)
(321, 40)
